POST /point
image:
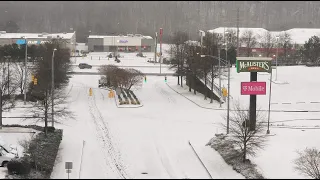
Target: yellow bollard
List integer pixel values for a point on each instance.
(90, 92)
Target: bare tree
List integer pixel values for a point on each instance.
(249, 141)
(178, 49)
(18, 76)
(42, 108)
(123, 78)
(42, 91)
(308, 163)
(286, 43)
(135, 78)
(6, 100)
(249, 41)
(267, 42)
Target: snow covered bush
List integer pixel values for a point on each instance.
(308, 163)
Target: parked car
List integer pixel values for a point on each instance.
(6, 156)
(84, 66)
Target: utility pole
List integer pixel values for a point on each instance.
(238, 32)
(8, 75)
(155, 48)
(25, 73)
(161, 30)
(52, 88)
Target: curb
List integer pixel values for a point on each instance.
(187, 98)
(200, 159)
(118, 106)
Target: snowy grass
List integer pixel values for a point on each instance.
(233, 157)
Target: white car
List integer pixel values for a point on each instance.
(5, 157)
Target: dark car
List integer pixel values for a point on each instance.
(84, 66)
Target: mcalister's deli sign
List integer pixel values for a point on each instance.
(254, 64)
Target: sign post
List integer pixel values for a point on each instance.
(253, 65)
(68, 167)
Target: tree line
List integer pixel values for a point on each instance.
(101, 17)
(12, 67)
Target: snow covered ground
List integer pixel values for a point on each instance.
(152, 141)
(294, 130)
(14, 136)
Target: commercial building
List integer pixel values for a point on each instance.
(68, 39)
(128, 43)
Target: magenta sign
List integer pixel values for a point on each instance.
(253, 88)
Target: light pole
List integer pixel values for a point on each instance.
(52, 86)
(268, 131)
(228, 64)
(220, 76)
(25, 72)
(277, 37)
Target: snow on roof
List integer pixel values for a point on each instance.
(35, 35)
(256, 31)
(100, 36)
(300, 35)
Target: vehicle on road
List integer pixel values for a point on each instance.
(84, 66)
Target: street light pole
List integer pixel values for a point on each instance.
(25, 72)
(220, 76)
(52, 86)
(228, 111)
(268, 131)
(277, 58)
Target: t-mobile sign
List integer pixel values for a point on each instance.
(253, 88)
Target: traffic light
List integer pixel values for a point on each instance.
(35, 81)
(145, 79)
(165, 79)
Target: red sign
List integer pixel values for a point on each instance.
(253, 88)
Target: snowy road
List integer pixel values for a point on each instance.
(146, 142)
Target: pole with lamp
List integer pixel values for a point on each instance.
(52, 86)
(25, 71)
(277, 37)
(228, 113)
(268, 131)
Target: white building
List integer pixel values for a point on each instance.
(38, 38)
(298, 35)
(128, 43)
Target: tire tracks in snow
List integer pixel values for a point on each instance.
(164, 93)
(104, 135)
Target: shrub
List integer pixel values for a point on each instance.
(43, 151)
(51, 129)
(138, 102)
(19, 166)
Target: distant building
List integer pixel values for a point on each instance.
(298, 38)
(69, 39)
(128, 43)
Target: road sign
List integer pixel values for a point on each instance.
(253, 88)
(68, 171)
(118, 91)
(253, 64)
(68, 165)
